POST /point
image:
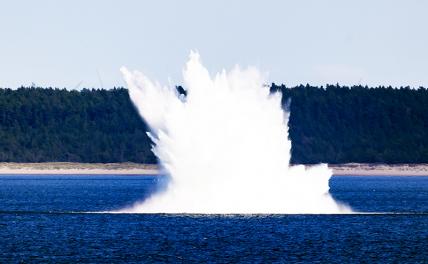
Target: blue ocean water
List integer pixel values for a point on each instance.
(44, 219)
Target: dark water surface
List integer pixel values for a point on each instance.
(43, 219)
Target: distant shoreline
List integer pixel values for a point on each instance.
(69, 168)
(367, 169)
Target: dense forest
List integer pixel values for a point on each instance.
(337, 124)
(38, 125)
(332, 124)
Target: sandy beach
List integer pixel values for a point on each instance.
(362, 169)
(68, 168)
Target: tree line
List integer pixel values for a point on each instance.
(332, 124)
(40, 125)
(339, 124)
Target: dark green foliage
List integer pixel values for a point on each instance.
(38, 125)
(332, 124)
(357, 124)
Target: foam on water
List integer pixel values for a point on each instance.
(225, 147)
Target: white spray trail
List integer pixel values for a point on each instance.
(225, 146)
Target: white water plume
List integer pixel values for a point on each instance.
(225, 147)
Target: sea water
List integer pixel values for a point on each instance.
(51, 219)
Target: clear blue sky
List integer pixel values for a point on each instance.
(63, 43)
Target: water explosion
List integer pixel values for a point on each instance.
(225, 147)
